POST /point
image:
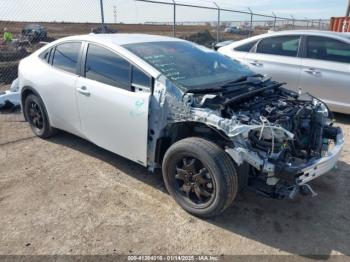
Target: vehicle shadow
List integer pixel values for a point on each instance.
(305, 226)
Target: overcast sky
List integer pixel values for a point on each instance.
(130, 11)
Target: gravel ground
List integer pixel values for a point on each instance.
(67, 196)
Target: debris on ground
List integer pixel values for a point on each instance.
(104, 30)
(10, 99)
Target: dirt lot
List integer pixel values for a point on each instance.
(67, 196)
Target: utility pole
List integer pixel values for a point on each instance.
(174, 18)
(293, 20)
(251, 22)
(102, 16)
(218, 24)
(274, 21)
(348, 9)
(115, 13)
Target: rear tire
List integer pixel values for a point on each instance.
(36, 115)
(200, 176)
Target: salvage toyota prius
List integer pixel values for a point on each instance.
(213, 126)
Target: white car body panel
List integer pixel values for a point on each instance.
(98, 117)
(114, 118)
(56, 88)
(327, 80)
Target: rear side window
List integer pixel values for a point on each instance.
(324, 48)
(45, 56)
(66, 57)
(283, 45)
(107, 67)
(246, 47)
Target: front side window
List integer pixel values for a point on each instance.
(246, 47)
(66, 57)
(187, 65)
(324, 48)
(140, 78)
(107, 67)
(282, 45)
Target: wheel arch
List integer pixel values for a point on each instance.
(180, 130)
(25, 92)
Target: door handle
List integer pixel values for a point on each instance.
(83, 90)
(312, 71)
(256, 63)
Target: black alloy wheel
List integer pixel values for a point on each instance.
(194, 181)
(35, 113)
(200, 176)
(35, 116)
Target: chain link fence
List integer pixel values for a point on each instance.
(28, 25)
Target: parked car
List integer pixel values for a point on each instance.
(212, 125)
(34, 32)
(232, 30)
(308, 61)
(237, 30)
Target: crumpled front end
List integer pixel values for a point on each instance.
(287, 139)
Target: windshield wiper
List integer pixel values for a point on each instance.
(251, 93)
(243, 80)
(205, 90)
(223, 88)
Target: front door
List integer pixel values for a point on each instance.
(114, 114)
(278, 58)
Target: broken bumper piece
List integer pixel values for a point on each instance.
(295, 174)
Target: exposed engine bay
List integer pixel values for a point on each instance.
(284, 133)
(307, 120)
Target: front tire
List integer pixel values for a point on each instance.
(200, 176)
(36, 115)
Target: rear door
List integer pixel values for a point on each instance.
(326, 71)
(277, 57)
(58, 89)
(113, 98)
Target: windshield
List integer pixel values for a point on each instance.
(188, 65)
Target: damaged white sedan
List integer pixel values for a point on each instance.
(213, 126)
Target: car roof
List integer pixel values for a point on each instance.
(337, 35)
(122, 39)
(310, 32)
(116, 42)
